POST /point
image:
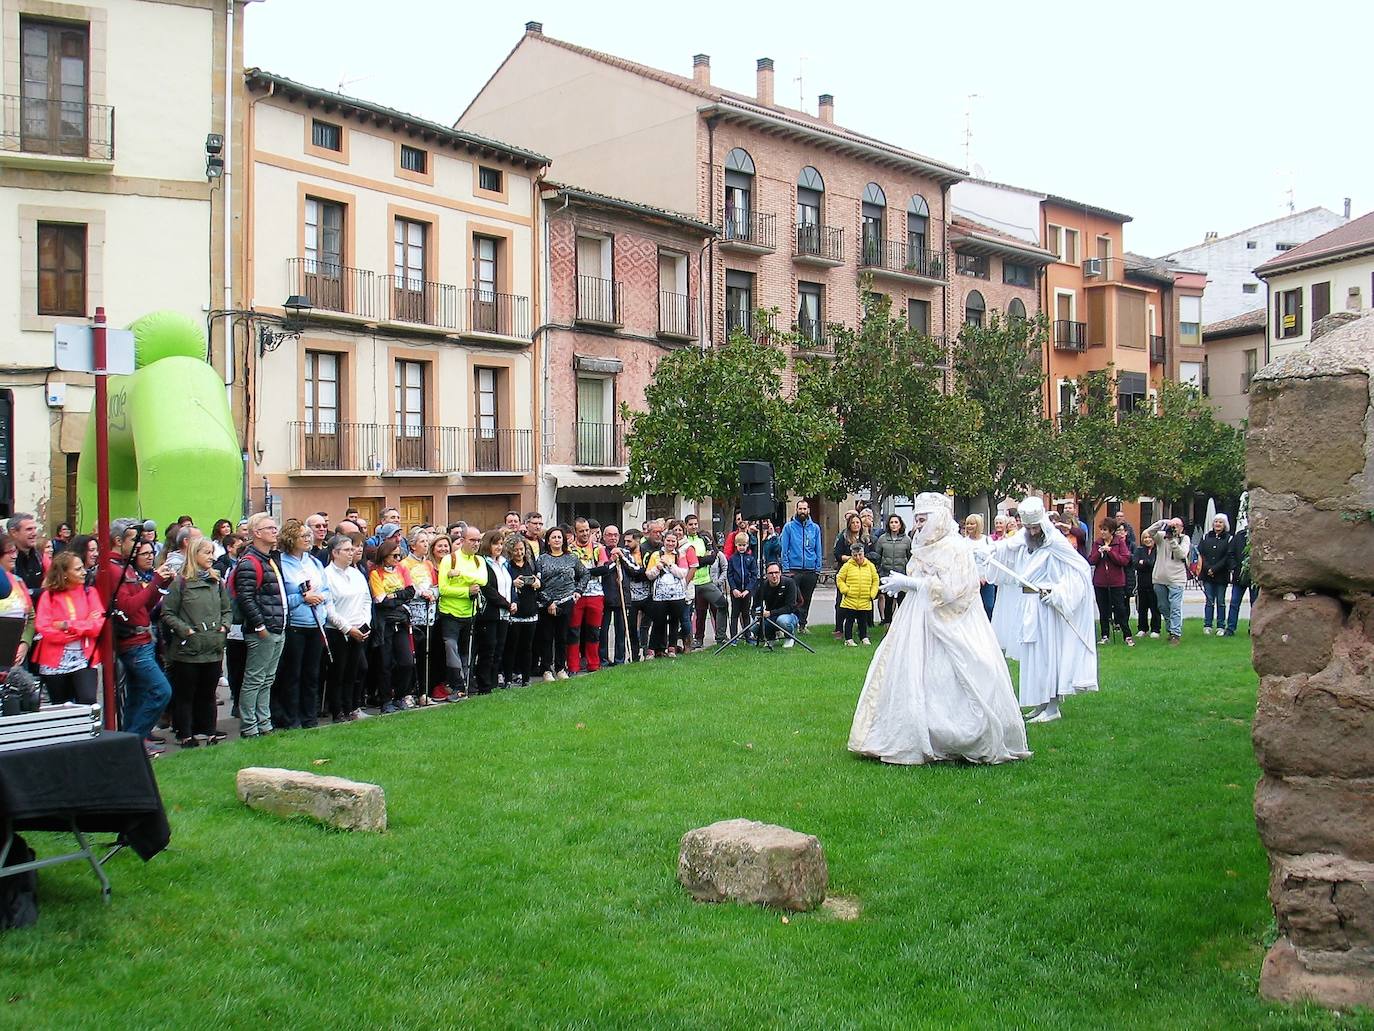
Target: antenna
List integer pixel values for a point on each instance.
(345, 81)
(801, 91)
(968, 126)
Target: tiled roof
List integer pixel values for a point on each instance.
(1245, 322)
(1356, 235)
(635, 207)
(256, 78)
(963, 227)
(747, 104)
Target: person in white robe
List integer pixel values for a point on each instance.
(938, 687)
(1008, 610)
(1058, 656)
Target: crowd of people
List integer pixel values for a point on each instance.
(309, 621)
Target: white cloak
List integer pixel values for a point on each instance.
(1008, 609)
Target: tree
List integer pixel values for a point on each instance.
(1194, 452)
(899, 432)
(1103, 452)
(999, 365)
(706, 411)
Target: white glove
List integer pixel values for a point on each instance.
(897, 583)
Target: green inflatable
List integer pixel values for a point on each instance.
(173, 449)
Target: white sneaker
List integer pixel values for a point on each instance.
(788, 643)
(867, 641)
(850, 644)
(361, 714)
(548, 677)
(562, 674)
(1154, 634)
(1140, 633)
(1206, 630)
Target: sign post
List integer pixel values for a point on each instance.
(102, 496)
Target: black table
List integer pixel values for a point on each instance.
(101, 784)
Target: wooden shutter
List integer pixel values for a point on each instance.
(1321, 301)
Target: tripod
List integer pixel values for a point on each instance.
(762, 623)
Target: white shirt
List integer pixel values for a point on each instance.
(350, 600)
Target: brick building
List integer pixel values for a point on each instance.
(623, 282)
(994, 271)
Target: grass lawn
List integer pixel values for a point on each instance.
(528, 877)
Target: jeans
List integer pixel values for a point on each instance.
(806, 586)
(988, 592)
(710, 600)
(789, 621)
(260, 668)
(1170, 598)
(518, 657)
(1214, 595)
(1238, 591)
(148, 691)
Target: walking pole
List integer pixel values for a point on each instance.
(429, 623)
(624, 610)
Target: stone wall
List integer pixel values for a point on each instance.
(1310, 468)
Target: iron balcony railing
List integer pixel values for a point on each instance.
(1070, 335)
(65, 128)
(487, 311)
(817, 241)
(896, 256)
(752, 324)
(390, 448)
(600, 444)
(1156, 349)
(811, 335)
(598, 301)
(751, 228)
(331, 287)
(674, 314)
(414, 300)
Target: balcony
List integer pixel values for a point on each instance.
(599, 302)
(818, 245)
(486, 313)
(750, 232)
(600, 445)
(381, 449)
(752, 324)
(56, 134)
(675, 316)
(893, 259)
(416, 301)
(1156, 350)
(811, 337)
(1070, 335)
(332, 288)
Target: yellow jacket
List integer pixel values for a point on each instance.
(857, 584)
(458, 572)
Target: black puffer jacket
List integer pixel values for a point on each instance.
(258, 592)
(1215, 549)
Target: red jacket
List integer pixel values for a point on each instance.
(80, 609)
(134, 598)
(1109, 564)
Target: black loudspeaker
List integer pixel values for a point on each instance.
(756, 490)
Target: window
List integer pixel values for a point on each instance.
(1251, 367)
(409, 388)
(1130, 391)
(1288, 314)
(1321, 301)
(61, 269)
(918, 316)
(739, 301)
(322, 276)
(596, 429)
(917, 230)
(1249, 288)
(1190, 372)
(484, 407)
(974, 308)
(810, 190)
(489, 179)
(809, 311)
(408, 271)
(1054, 240)
(1071, 246)
(1250, 245)
(7, 453)
(1189, 315)
(873, 209)
(1017, 275)
(674, 305)
(1016, 310)
(739, 194)
(596, 294)
(1068, 397)
(1284, 246)
(971, 265)
(326, 135)
(321, 392)
(413, 159)
(53, 88)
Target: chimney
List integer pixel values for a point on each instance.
(1347, 207)
(701, 69)
(534, 28)
(825, 107)
(764, 91)
(1210, 236)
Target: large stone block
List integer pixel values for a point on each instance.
(1337, 980)
(1317, 725)
(1294, 634)
(1307, 436)
(1316, 814)
(1323, 901)
(1295, 546)
(747, 861)
(346, 804)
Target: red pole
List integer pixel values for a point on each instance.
(102, 502)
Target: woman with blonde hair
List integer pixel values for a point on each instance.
(296, 692)
(973, 532)
(196, 614)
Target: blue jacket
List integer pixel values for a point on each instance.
(297, 572)
(743, 572)
(801, 545)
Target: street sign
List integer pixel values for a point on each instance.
(75, 350)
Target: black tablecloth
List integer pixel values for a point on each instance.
(105, 782)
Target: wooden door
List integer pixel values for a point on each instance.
(53, 84)
(484, 511)
(416, 511)
(368, 509)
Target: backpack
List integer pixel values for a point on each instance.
(236, 613)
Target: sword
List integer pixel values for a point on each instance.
(1042, 591)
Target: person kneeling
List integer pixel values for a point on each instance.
(777, 601)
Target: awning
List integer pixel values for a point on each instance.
(566, 476)
(591, 363)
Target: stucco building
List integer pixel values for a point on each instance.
(413, 381)
(107, 198)
(1235, 352)
(994, 271)
(1331, 272)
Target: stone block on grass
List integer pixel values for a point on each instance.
(758, 863)
(345, 804)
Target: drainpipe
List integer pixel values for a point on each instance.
(228, 186)
(711, 212)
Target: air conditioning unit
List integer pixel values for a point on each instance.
(1092, 267)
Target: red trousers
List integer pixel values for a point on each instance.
(584, 633)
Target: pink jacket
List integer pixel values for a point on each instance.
(80, 609)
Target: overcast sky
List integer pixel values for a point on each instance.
(1189, 116)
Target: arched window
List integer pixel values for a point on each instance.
(974, 308)
(739, 194)
(917, 227)
(810, 190)
(1016, 309)
(874, 209)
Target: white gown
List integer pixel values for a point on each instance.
(938, 687)
(1008, 610)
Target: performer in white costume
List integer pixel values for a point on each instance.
(938, 687)
(1009, 608)
(1058, 656)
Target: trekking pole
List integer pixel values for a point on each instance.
(624, 609)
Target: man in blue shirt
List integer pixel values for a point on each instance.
(801, 557)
